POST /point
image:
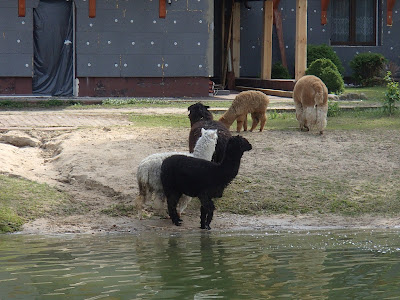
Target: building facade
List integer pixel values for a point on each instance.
(350, 27)
(126, 48)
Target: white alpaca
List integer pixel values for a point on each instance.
(149, 173)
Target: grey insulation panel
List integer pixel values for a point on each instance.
(147, 45)
(19, 65)
(91, 65)
(142, 66)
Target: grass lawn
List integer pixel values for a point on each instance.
(346, 120)
(22, 200)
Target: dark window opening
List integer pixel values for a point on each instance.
(353, 22)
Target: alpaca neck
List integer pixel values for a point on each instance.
(231, 162)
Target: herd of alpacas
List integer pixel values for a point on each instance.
(214, 156)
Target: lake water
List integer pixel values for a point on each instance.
(362, 264)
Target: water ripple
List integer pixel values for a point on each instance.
(214, 265)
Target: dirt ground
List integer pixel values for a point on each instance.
(97, 166)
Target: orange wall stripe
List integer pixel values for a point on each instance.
(21, 8)
(92, 8)
(162, 9)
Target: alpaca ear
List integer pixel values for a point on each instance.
(203, 131)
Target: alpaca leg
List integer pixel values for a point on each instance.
(172, 201)
(141, 199)
(210, 214)
(203, 217)
(182, 204)
(207, 212)
(139, 205)
(239, 122)
(263, 119)
(256, 119)
(300, 117)
(245, 123)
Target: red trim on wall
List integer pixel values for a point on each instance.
(389, 13)
(324, 11)
(92, 8)
(21, 8)
(162, 9)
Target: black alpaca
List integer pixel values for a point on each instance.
(200, 117)
(200, 178)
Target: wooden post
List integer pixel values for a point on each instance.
(92, 8)
(162, 9)
(236, 39)
(301, 39)
(21, 8)
(266, 55)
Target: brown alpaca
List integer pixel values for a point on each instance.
(310, 97)
(253, 102)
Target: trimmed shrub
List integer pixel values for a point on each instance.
(327, 71)
(333, 80)
(318, 65)
(315, 52)
(368, 68)
(279, 72)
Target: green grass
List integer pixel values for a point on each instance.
(346, 120)
(173, 121)
(23, 200)
(377, 195)
(364, 120)
(374, 94)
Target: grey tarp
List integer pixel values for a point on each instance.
(53, 48)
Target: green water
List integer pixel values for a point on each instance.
(202, 265)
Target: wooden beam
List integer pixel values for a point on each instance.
(92, 8)
(266, 55)
(324, 10)
(226, 49)
(279, 32)
(21, 8)
(389, 14)
(236, 39)
(301, 39)
(162, 9)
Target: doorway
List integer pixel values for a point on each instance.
(53, 37)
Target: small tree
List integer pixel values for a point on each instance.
(392, 94)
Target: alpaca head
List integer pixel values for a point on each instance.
(239, 142)
(211, 134)
(199, 112)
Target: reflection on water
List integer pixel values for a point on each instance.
(202, 265)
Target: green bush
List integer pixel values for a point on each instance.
(279, 71)
(327, 71)
(315, 52)
(333, 81)
(368, 68)
(320, 64)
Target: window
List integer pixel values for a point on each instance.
(353, 22)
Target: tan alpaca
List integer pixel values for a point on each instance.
(310, 97)
(253, 102)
